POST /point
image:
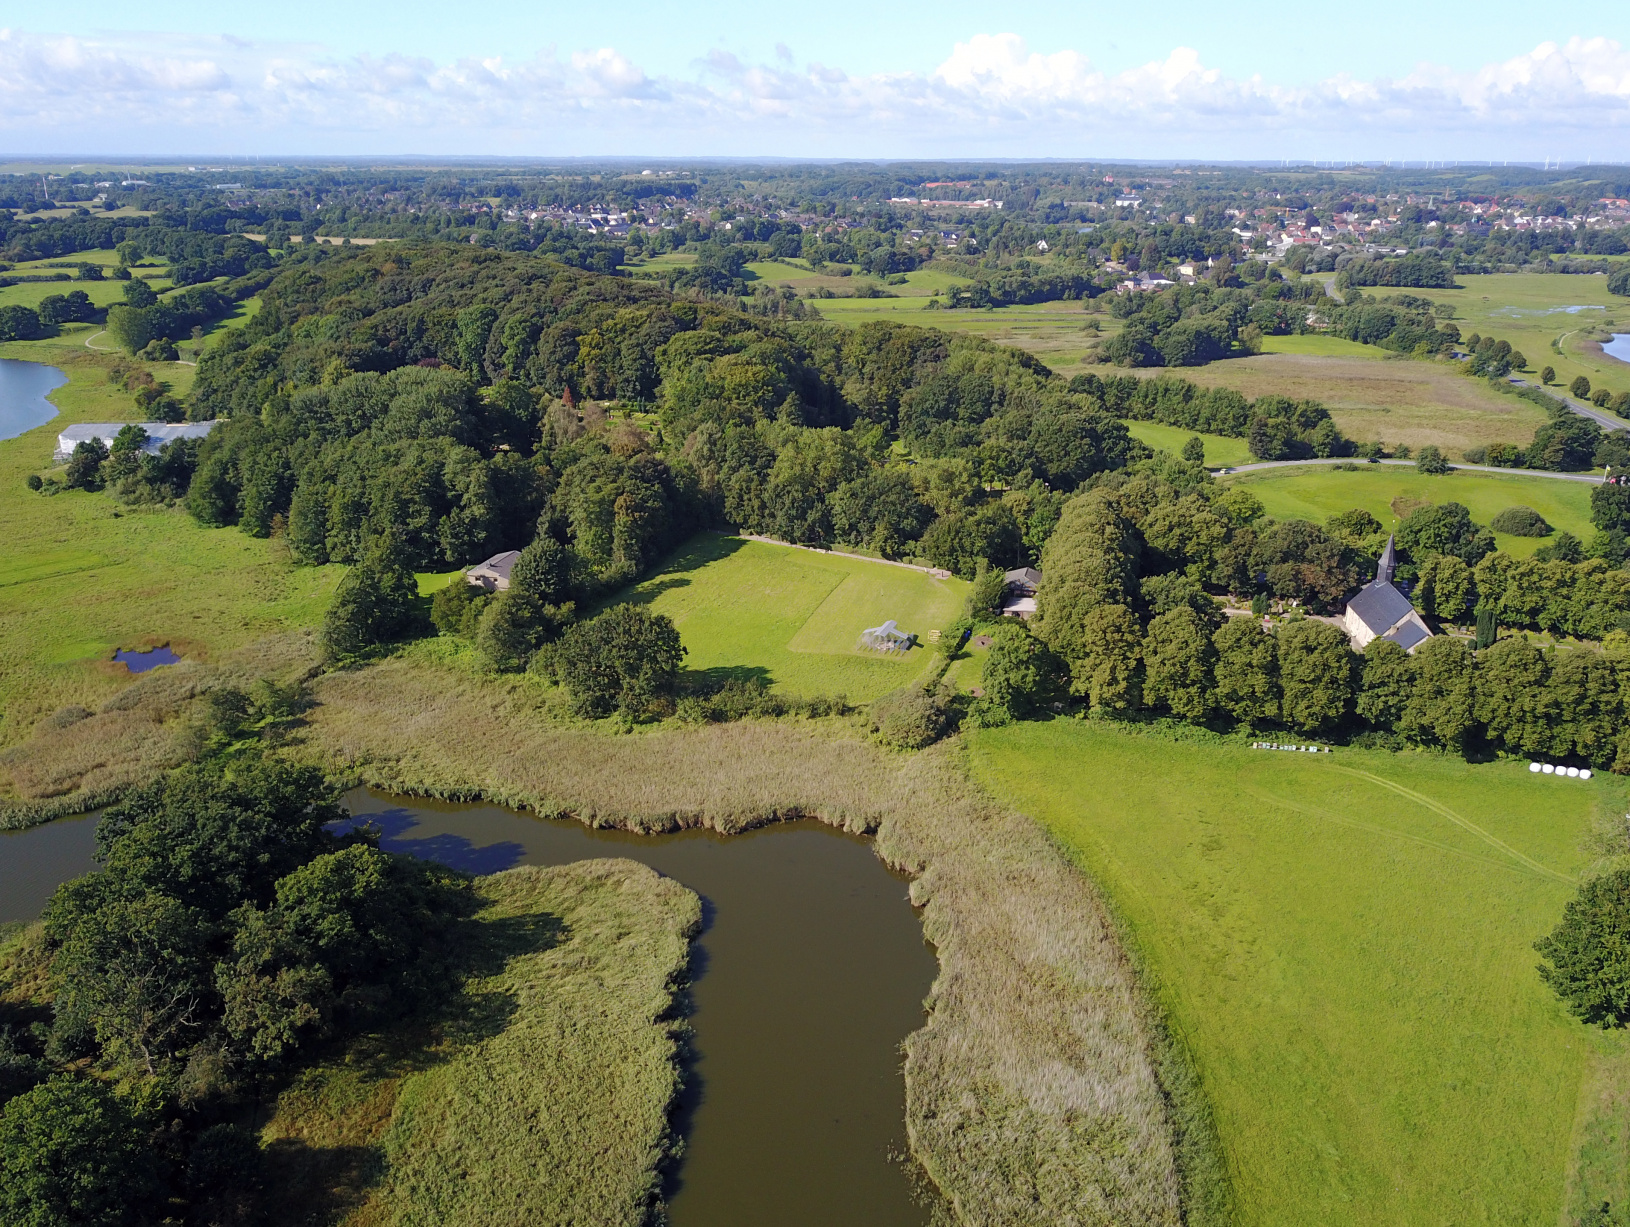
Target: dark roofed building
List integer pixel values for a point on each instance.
(493, 575)
(1019, 592)
(1381, 611)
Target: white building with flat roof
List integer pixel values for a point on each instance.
(158, 434)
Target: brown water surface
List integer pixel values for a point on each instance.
(33, 863)
(809, 973)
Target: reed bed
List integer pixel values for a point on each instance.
(1042, 1089)
(538, 1095)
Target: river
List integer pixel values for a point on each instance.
(23, 386)
(810, 971)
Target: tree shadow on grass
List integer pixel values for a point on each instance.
(327, 1175)
(714, 677)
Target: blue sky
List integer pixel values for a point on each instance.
(842, 78)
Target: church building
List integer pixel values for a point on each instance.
(1381, 611)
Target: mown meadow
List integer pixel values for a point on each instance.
(1344, 945)
(1390, 493)
(793, 618)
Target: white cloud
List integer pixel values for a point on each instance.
(992, 95)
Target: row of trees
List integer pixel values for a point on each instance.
(1126, 612)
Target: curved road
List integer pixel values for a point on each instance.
(1409, 464)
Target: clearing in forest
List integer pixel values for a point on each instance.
(1350, 963)
(793, 618)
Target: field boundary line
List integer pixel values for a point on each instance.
(1466, 824)
(936, 572)
(1263, 465)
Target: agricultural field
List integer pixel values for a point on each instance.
(103, 293)
(1390, 492)
(1374, 396)
(793, 618)
(1533, 310)
(1220, 449)
(80, 575)
(1344, 945)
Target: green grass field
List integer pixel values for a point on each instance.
(1317, 346)
(80, 575)
(1317, 493)
(1532, 310)
(794, 617)
(1344, 945)
(1220, 450)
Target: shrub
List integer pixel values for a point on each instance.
(456, 609)
(376, 602)
(913, 717)
(35, 481)
(71, 1151)
(1520, 522)
(1431, 461)
(1587, 955)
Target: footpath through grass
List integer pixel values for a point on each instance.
(1390, 493)
(793, 618)
(541, 1092)
(1344, 943)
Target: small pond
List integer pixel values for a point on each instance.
(23, 386)
(1618, 347)
(810, 971)
(141, 662)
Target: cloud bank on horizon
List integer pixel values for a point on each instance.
(991, 96)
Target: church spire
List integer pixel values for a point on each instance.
(1389, 561)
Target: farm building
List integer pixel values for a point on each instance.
(493, 575)
(1381, 611)
(158, 434)
(1019, 592)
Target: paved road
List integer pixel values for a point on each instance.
(1600, 416)
(1409, 464)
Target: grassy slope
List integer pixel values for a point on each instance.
(79, 576)
(1220, 450)
(1317, 494)
(1351, 970)
(794, 617)
(542, 1096)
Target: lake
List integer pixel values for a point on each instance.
(1618, 347)
(810, 971)
(23, 386)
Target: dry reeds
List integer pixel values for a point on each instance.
(1041, 1090)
